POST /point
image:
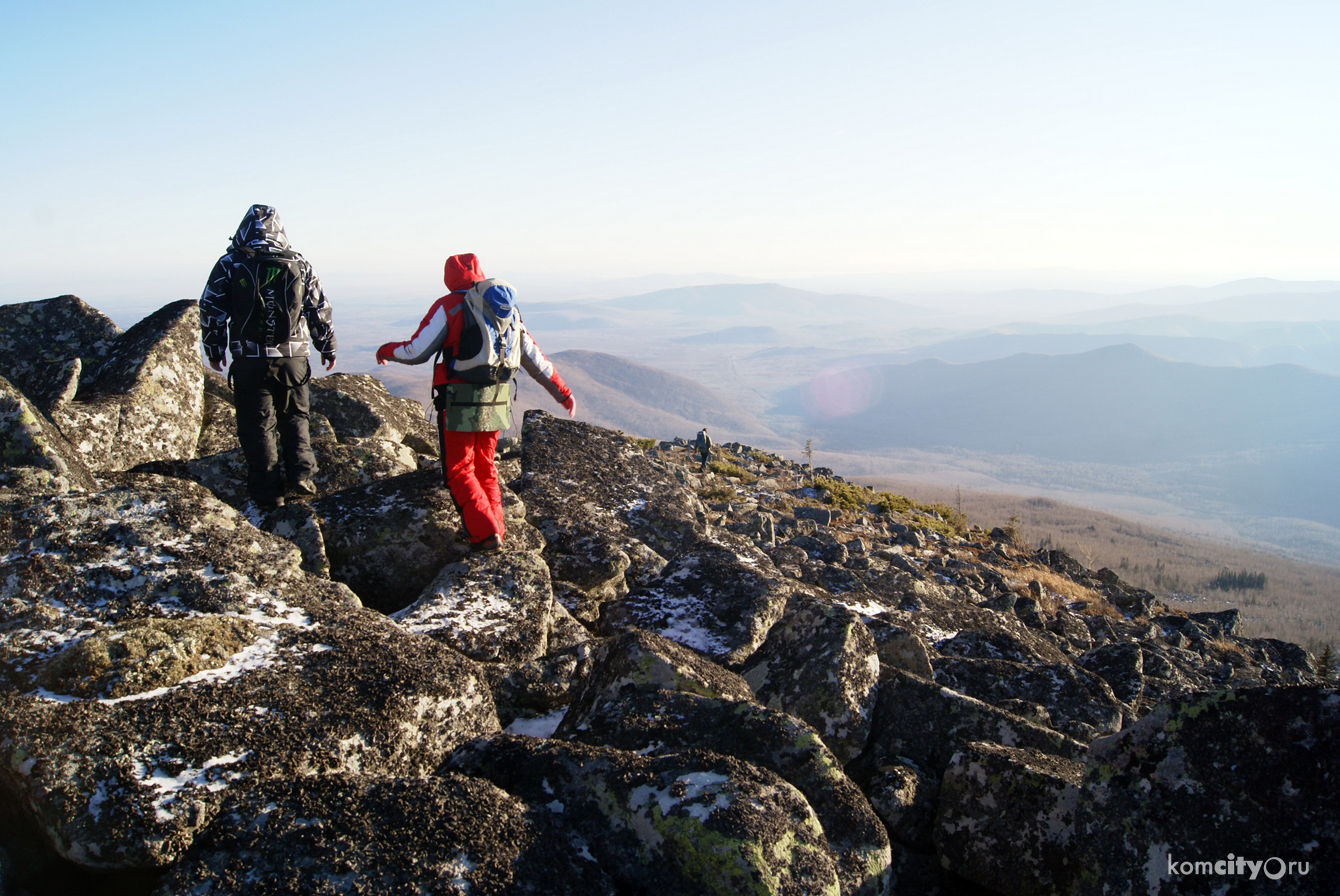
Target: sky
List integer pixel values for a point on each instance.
(1142, 142)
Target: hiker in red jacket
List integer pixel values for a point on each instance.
(473, 406)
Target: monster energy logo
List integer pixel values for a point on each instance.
(271, 273)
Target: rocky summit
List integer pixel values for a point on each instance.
(758, 679)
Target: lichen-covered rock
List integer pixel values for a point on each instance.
(387, 541)
(1169, 673)
(339, 466)
(169, 650)
(927, 724)
(1068, 692)
(1121, 665)
(658, 722)
(718, 597)
(819, 663)
(150, 546)
(349, 834)
(218, 418)
(940, 615)
(298, 524)
(492, 607)
(1248, 773)
(360, 407)
(1007, 819)
(906, 801)
(640, 661)
(899, 647)
(28, 439)
(682, 824)
(46, 346)
(146, 400)
(567, 463)
(608, 514)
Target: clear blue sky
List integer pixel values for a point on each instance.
(1200, 140)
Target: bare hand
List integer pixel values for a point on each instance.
(217, 365)
(329, 363)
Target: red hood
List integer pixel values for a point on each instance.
(462, 272)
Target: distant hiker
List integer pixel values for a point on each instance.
(262, 302)
(704, 446)
(479, 340)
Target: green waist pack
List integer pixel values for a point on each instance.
(470, 408)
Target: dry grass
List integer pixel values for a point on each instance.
(1059, 590)
(722, 468)
(717, 493)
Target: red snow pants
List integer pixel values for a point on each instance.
(472, 478)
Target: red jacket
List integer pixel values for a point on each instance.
(441, 329)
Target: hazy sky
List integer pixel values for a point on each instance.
(1195, 141)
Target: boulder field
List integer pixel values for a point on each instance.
(756, 680)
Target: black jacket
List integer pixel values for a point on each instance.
(262, 299)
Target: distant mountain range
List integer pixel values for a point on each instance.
(1117, 404)
(642, 400)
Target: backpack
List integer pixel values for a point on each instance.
(490, 346)
(267, 294)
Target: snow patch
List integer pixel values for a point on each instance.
(537, 726)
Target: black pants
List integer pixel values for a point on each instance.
(270, 394)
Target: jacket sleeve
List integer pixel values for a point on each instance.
(440, 327)
(214, 313)
(541, 368)
(316, 310)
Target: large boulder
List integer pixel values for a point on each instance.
(950, 620)
(389, 540)
(358, 406)
(351, 834)
(1215, 792)
(681, 824)
(550, 682)
(160, 651)
(491, 607)
(719, 597)
(640, 661)
(1121, 665)
(146, 400)
(46, 346)
(28, 439)
(1073, 697)
(1007, 819)
(608, 514)
(819, 663)
(658, 722)
(923, 722)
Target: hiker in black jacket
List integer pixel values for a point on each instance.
(704, 445)
(262, 303)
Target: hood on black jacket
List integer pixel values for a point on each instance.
(260, 231)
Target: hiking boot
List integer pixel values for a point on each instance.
(492, 543)
(302, 488)
(267, 505)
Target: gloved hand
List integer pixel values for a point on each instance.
(328, 360)
(384, 353)
(570, 405)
